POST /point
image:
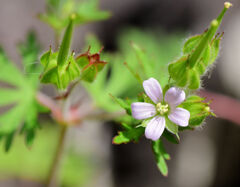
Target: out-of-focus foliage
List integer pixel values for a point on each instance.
(144, 53)
(34, 163)
(18, 93)
(58, 12)
(29, 51)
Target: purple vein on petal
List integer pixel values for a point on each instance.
(143, 110)
(153, 90)
(155, 128)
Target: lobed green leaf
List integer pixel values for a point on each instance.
(20, 96)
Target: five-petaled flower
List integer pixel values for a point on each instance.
(162, 108)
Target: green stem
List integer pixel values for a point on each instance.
(53, 174)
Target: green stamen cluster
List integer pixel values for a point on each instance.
(162, 108)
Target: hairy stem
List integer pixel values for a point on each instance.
(52, 180)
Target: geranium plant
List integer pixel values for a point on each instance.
(168, 105)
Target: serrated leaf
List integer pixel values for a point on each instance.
(160, 156)
(133, 134)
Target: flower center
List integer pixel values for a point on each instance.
(162, 109)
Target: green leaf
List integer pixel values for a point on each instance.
(160, 156)
(133, 134)
(20, 96)
(31, 124)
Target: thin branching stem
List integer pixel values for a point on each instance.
(52, 180)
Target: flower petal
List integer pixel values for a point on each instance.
(155, 128)
(180, 116)
(153, 90)
(143, 110)
(174, 96)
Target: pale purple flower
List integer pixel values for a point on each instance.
(162, 108)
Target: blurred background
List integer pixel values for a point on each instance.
(207, 157)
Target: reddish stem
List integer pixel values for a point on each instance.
(51, 104)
